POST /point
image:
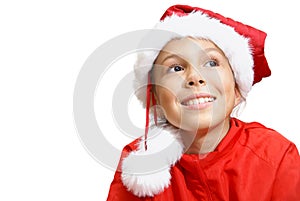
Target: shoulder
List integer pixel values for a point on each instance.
(256, 133)
(264, 142)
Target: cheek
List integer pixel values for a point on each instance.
(221, 81)
(166, 98)
(222, 84)
(229, 92)
(168, 101)
(167, 89)
(229, 85)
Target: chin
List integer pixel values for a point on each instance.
(195, 124)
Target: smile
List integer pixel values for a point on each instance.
(198, 101)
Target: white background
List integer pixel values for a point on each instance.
(43, 45)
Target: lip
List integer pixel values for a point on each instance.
(199, 105)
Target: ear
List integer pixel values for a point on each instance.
(238, 96)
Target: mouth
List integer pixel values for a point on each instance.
(198, 101)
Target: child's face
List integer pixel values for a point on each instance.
(194, 84)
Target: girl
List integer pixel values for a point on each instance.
(196, 150)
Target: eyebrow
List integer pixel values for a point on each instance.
(206, 50)
(215, 50)
(171, 56)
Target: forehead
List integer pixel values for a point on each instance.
(189, 44)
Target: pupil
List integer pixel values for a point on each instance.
(177, 68)
(212, 63)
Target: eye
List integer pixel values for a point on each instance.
(211, 63)
(175, 68)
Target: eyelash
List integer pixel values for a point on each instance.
(173, 66)
(212, 59)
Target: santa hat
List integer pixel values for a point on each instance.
(243, 45)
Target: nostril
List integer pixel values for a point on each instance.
(201, 81)
(191, 83)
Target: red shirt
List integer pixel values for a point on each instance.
(252, 163)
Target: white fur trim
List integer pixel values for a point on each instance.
(147, 173)
(235, 47)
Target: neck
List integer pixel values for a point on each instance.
(206, 140)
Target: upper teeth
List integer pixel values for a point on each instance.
(197, 101)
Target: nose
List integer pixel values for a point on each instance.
(193, 83)
(194, 79)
